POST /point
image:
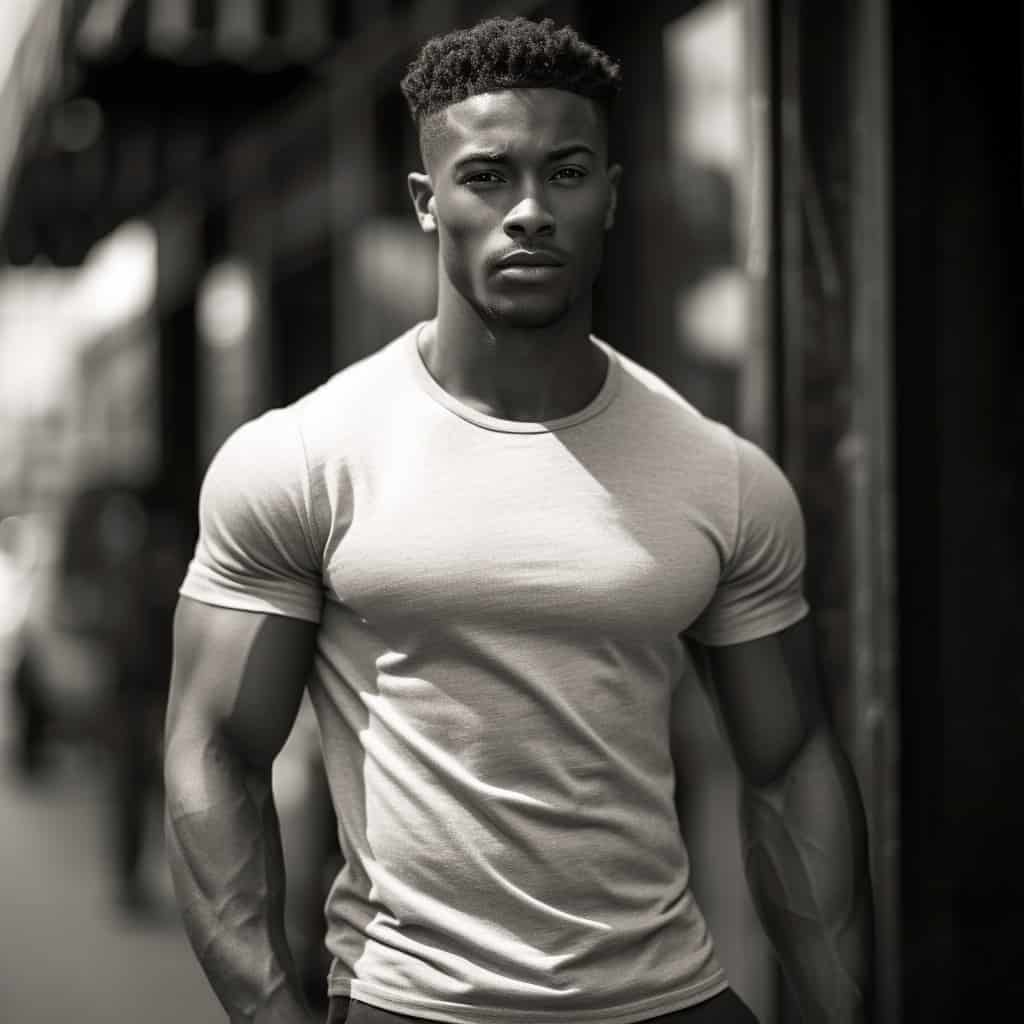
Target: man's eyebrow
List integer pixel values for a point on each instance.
(490, 156)
(573, 147)
(498, 156)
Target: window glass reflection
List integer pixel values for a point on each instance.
(714, 138)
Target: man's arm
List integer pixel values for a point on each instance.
(237, 681)
(802, 822)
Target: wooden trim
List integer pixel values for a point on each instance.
(874, 744)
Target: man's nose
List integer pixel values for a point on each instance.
(528, 219)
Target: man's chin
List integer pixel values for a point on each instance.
(527, 315)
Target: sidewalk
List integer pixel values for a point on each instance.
(66, 955)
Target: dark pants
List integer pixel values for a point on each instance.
(725, 1008)
(33, 714)
(135, 723)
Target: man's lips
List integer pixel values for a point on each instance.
(527, 258)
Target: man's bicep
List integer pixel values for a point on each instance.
(240, 674)
(767, 694)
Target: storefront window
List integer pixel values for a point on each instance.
(716, 125)
(226, 313)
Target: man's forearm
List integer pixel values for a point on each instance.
(805, 851)
(224, 847)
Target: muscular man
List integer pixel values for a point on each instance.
(487, 548)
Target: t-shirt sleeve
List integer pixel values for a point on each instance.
(257, 550)
(761, 588)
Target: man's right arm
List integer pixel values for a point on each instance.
(237, 681)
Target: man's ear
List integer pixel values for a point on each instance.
(422, 193)
(614, 176)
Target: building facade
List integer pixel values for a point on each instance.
(792, 254)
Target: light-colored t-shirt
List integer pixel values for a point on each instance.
(501, 607)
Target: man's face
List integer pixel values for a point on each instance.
(521, 194)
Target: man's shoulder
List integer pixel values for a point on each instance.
(282, 444)
(360, 384)
(352, 401)
(655, 405)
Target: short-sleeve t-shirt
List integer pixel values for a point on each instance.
(502, 609)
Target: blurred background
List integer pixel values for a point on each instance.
(203, 213)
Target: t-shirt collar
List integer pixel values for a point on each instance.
(466, 412)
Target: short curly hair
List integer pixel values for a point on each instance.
(507, 53)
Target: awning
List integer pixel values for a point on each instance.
(114, 102)
(33, 80)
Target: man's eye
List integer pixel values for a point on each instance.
(570, 173)
(482, 177)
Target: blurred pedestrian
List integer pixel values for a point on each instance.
(490, 543)
(30, 709)
(122, 560)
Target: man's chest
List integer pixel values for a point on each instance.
(523, 536)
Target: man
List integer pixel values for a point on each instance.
(491, 541)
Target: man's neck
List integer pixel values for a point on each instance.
(525, 374)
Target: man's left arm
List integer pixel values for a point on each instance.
(802, 822)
